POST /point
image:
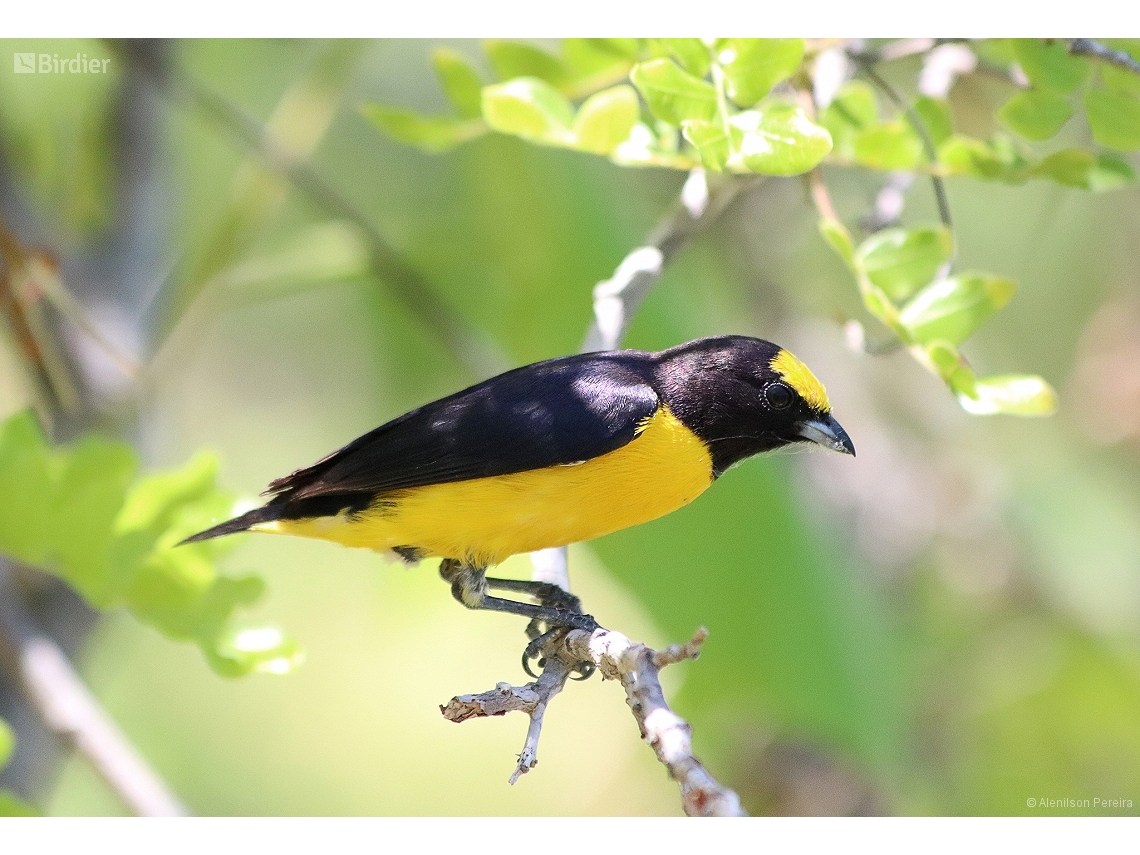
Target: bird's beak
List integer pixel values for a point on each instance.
(826, 431)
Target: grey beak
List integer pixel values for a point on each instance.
(826, 431)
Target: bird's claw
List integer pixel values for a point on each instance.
(539, 641)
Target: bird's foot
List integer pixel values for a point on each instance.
(540, 640)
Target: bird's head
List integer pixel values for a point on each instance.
(743, 396)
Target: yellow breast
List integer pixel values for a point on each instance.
(485, 520)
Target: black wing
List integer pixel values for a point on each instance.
(557, 412)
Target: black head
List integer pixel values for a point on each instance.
(743, 396)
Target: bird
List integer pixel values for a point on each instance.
(549, 454)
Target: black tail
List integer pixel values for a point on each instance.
(242, 523)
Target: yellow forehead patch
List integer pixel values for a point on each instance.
(799, 377)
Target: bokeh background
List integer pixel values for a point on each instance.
(946, 624)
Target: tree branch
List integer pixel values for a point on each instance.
(636, 667)
(1096, 50)
(72, 714)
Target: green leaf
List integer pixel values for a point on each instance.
(1036, 114)
(892, 146)
(460, 81)
(606, 119)
(73, 512)
(586, 57)
(431, 133)
(13, 805)
(952, 309)
(1075, 167)
(1049, 66)
(1012, 394)
(753, 66)
(962, 155)
(26, 490)
(710, 141)
(951, 367)
(693, 55)
(781, 140)
(839, 239)
(879, 304)
(851, 110)
(7, 743)
(1071, 167)
(901, 261)
(529, 108)
(1120, 79)
(1114, 118)
(673, 95)
(936, 117)
(516, 59)
(1110, 173)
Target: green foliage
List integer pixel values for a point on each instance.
(900, 261)
(432, 133)
(851, 110)
(1114, 118)
(13, 805)
(460, 81)
(80, 513)
(691, 54)
(536, 95)
(891, 146)
(7, 743)
(753, 66)
(531, 108)
(1035, 114)
(672, 94)
(953, 308)
(906, 266)
(779, 140)
(1049, 65)
(516, 59)
(606, 120)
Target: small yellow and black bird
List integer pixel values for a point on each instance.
(549, 454)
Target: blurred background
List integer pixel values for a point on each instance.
(946, 624)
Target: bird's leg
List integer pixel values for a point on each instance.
(560, 610)
(546, 593)
(469, 586)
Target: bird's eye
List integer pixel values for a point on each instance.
(778, 396)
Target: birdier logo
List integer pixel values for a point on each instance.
(52, 63)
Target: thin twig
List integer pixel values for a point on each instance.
(1096, 50)
(922, 132)
(636, 667)
(69, 710)
(618, 298)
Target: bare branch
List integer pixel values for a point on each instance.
(617, 299)
(1096, 50)
(69, 710)
(636, 667)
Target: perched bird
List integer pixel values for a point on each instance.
(549, 454)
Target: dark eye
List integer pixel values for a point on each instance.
(778, 396)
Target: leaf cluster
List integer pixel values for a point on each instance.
(82, 514)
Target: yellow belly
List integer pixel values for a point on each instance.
(485, 520)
